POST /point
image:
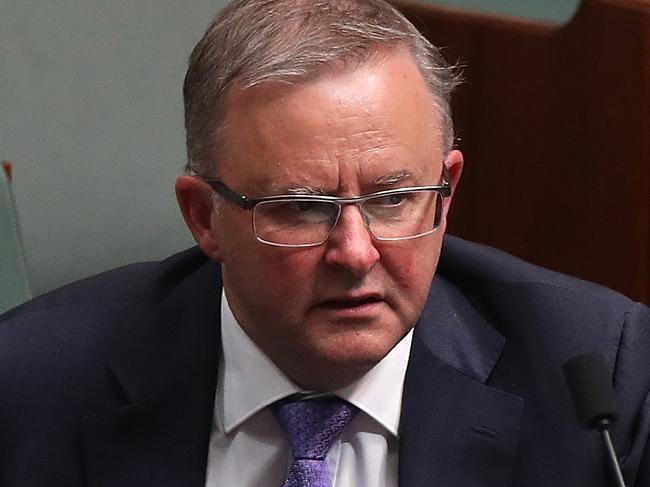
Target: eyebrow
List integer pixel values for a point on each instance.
(393, 178)
(306, 190)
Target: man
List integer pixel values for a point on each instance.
(320, 176)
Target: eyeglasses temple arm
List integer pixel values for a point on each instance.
(446, 183)
(230, 195)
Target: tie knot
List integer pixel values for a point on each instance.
(312, 425)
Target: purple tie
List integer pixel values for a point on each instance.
(311, 426)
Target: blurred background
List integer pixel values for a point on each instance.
(91, 118)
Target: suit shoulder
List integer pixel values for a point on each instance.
(477, 267)
(67, 336)
(139, 283)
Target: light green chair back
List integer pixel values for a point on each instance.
(14, 280)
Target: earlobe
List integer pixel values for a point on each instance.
(194, 198)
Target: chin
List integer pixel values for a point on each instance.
(329, 361)
(332, 373)
(359, 351)
(337, 366)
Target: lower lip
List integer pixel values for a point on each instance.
(361, 311)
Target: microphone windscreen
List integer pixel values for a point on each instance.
(591, 388)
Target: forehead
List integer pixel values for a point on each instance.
(343, 132)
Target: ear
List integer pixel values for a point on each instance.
(194, 197)
(454, 163)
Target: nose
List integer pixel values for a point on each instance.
(350, 245)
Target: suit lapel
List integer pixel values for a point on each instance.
(166, 369)
(454, 429)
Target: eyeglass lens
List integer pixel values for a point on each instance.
(305, 222)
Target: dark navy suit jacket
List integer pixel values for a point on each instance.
(110, 381)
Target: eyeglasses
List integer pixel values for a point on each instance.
(308, 220)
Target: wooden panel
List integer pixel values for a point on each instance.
(555, 127)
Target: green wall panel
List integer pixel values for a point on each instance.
(556, 11)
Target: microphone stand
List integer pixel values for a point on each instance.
(603, 427)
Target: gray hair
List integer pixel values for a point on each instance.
(255, 41)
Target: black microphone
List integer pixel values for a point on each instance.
(593, 395)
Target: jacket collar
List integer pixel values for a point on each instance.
(179, 336)
(455, 430)
(165, 370)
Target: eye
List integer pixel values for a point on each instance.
(391, 200)
(302, 206)
(297, 211)
(396, 199)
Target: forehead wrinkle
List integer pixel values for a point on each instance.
(368, 142)
(375, 137)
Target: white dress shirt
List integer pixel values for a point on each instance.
(249, 449)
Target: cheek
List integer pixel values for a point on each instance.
(288, 264)
(412, 268)
(269, 284)
(404, 271)
(284, 273)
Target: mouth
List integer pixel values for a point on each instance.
(351, 302)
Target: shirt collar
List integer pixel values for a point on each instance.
(249, 381)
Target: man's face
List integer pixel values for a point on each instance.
(327, 314)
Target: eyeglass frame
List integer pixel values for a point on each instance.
(246, 203)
